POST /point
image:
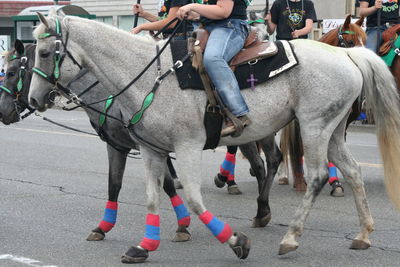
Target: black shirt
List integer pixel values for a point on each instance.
(389, 13)
(164, 10)
(238, 11)
(289, 16)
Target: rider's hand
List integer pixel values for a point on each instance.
(295, 34)
(138, 9)
(183, 12)
(268, 17)
(136, 30)
(378, 4)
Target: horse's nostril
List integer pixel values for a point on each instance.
(1, 116)
(33, 102)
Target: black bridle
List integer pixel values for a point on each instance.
(59, 57)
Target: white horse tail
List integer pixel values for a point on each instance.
(383, 100)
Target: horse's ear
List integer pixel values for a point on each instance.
(43, 19)
(19, 47)
(52, 12)
(347, 22)
(360, 21)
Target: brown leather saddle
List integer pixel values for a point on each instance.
(253, 50)
(388, 38)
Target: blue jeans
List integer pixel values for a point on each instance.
(226, 39)
(373, 40)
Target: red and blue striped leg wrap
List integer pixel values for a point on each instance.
(182, 213)
(151, 239)
(332, 173)
(222, 231)
(110, 216)
(227, 168)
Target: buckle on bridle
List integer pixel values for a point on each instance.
(397, 51)
(24, 60)
(58, 45)
(213, 109)
(178, 64)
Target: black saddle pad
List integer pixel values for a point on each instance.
(246, 74)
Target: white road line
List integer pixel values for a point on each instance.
(24, 260)
(49, 132)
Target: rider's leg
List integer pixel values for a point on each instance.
(226, 40)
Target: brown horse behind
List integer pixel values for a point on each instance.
(346, 35)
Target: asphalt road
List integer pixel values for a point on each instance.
(53, 189)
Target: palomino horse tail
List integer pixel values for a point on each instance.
(292, 149)
(383, 100)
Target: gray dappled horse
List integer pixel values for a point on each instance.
(331, 79)
(119, 141)
(14, 100)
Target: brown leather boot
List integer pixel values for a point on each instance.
(230, 129)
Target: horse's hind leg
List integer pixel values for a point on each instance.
(226, 173)
(315, 151)
(250, 151)
(174, 176)
(116, 168)
(189, 165)
(342, 158)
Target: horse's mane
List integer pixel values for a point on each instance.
(66, 20)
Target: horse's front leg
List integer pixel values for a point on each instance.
(155, 165)
(189, 169)
(116, 168)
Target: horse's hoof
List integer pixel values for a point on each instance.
(177, 184)
(241, 246)
(286, 248)
(359, 244)
(135, 255)
(283, 181)
(337, 189)
(219, 181)
(96, 235)
(182, 235)
(252, 172)
(234, 190)
(261, 222)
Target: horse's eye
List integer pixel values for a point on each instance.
(10, 74)
(44, 54)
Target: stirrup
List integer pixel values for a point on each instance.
(237, 127)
